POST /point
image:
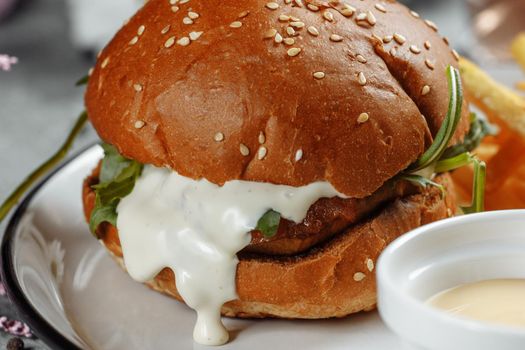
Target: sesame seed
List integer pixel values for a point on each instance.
(363, 118)
(348, 11)
(312, 7)
(329, 16)
(261, 153)
(359, 276)
(243, 14)
(371, 18)
(429, 64)
(90, 72)
(219, 137)
(298, 155)
(284, 18)
(287, 1)
(105, 63)
(165, 29)
(393, 51)
(139, 124)
(361, 79)
(427, 45)
(278, 38)
(262, 138)
(313, 31)
(183, 1)
(400, 39)
(141, 30)
(169, 43)
(295, 19)
(319, 75)
(174, 9)
(290, 31)
(336, 38)
(289, 41)
(236, 24)
(134, 40)
(193, 15)
(245, 151)
(137, 87)
(173, 2)
(415, 49)
(361, 58)
(187, 20)
(195, 35)
(370, 265)
(294, 51)
(361, 17)
(270, 33)
(297, 24)
(414, 13)
(299, 3)
(445, 39)
(184, 41)
(380, 8)
(425, 90)
(388, 38)
(377, 37)
(455, 54)
(272, 5)
(431, 25)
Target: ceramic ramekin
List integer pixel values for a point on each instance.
(443, 255)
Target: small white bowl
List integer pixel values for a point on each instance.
(443, 255)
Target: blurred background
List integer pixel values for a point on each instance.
(56, 41)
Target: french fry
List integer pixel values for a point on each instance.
(505, 163)
(518, 49)
(490, 95)
(520, 85)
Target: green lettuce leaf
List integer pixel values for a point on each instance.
(117, 179)
(268, 224)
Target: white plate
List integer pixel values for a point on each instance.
(74, 296)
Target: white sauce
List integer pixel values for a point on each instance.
(196, 228)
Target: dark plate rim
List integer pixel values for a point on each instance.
(39, 325)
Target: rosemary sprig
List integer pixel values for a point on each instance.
(445, 133)
(478, 188)
(44, 168)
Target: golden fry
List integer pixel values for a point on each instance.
(490, 95)
(518, 49)
(520, 85)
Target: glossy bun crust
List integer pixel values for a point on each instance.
(334, 279)
(208, 89)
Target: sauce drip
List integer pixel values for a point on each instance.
(196, 228)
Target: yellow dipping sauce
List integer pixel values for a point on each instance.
(500, 301)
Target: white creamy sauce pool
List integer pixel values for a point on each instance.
(196, 228)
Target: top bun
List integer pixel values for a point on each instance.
(288, 92)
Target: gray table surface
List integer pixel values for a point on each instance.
(38, 102)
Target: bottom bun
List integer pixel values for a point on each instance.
(334, 279)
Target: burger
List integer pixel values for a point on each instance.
(260, 155)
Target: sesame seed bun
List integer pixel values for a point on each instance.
(334, 279)
(287, 92)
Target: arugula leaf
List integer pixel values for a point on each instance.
(479, 129)
(422, 181)
(117, 179)
(82, 81)
(103, 213)
(268, 224)
(44, 168)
